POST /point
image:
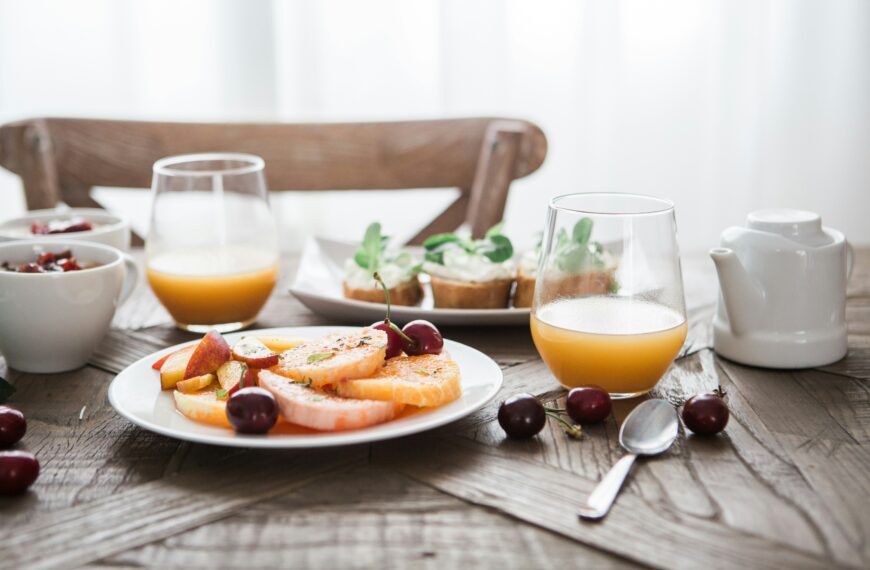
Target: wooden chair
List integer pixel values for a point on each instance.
(60, 160)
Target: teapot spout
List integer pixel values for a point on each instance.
(743, 297)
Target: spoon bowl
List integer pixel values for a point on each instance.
(649, 429)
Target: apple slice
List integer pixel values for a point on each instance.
(210, 353)
(172, 370)
(203, 406)
(194, 384)
(159, 363)
(231, 371)
(254, 353)
(280, 343)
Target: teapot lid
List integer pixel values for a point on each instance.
(802, 226)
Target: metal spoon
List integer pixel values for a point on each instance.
(649, 429)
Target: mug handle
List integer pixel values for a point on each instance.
(850, 259)
(131, 278)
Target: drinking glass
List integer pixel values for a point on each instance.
(608, 308)
(212, 250)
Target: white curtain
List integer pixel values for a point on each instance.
(722, 107)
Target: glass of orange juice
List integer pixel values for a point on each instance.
(212, 247)
(608, 308)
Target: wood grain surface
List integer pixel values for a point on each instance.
(785, 486)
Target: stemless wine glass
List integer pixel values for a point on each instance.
(608, 307)
(212, 250)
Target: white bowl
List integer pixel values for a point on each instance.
(112, 229)
(53, 322)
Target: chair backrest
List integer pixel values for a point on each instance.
(61, 160)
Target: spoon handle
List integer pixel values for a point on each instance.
(602, 497)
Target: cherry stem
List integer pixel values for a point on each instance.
(555, 410)
(377, 277)
(387, 320)
(242, 376)
(573, 430)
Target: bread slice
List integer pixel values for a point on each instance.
(449, 294)
(408, 293)
(525, 291)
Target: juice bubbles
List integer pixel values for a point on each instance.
(213, 285)
(624, 345)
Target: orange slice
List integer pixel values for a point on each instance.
(426, 380)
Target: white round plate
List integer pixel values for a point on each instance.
(135, 394)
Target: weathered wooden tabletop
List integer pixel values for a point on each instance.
(786, 486)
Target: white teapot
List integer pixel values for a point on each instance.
(782, 301)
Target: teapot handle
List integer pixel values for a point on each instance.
(850, 259)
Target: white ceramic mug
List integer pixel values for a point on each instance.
(53, 322)
(110, 229)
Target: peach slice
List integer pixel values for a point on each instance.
(172, 370)
(194, 384)
(210, 353)
(280, 343)
(203, 406)
(254, 353)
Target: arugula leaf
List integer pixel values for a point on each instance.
(495, 246)
(582, 230)
(438, 240)
(434, 257)
(318, 356)
(498, 249)
(6, 390)
(368, 256)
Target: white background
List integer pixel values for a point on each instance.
(722, 107)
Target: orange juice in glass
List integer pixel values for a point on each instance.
(212, 255)
(608, 307)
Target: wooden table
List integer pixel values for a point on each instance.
(786, 486)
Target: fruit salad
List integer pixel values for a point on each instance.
(345, 380)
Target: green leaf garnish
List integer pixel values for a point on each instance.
(318, 356)
(575, 253)
(437, 240)
(221, 394)
(494, 246)
(6, 390)
(582, 230)
(368, 256)
(497, 249)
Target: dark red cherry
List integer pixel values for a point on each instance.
(394, 340)
(522, 416)
(425, 338)
(18, 471)
(705, 414)
(588, 404)
(12, 426)
(252, 410)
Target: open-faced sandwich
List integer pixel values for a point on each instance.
(578, 267)
(470, 274)
(398, 271)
